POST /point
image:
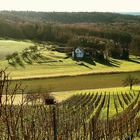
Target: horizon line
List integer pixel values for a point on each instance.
(71, 11)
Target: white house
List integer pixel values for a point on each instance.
(78, 53)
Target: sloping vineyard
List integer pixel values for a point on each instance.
(99, 116)
(85, 116)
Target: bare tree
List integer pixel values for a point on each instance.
(130, 81)
(3, 81)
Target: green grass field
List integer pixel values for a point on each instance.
(52, 63)
(76, 82)
(10, 46)
(67, 67)
(46, 65)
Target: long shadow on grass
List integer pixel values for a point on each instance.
(27, 60)
(13, 64)
(16, 61)
(89, 61)
(41, 58)
(134, 61)
(83, 64)
(109, 62)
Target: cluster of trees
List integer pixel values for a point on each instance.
(29, 55)
(117, 38)
(117, 45)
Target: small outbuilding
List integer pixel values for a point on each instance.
(50, 100)
(78, 53)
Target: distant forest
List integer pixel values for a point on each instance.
(68, 17)
(109, 34)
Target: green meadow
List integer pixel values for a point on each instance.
(70, 83)
(10, 46)
(54, 71)
(52, 63)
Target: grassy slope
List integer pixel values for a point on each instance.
(57, 64)
(67, 67)
(10, 46)
(76, 82)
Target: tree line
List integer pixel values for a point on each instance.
(68, 17)
(116, 38)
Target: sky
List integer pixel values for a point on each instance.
(71, 5)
